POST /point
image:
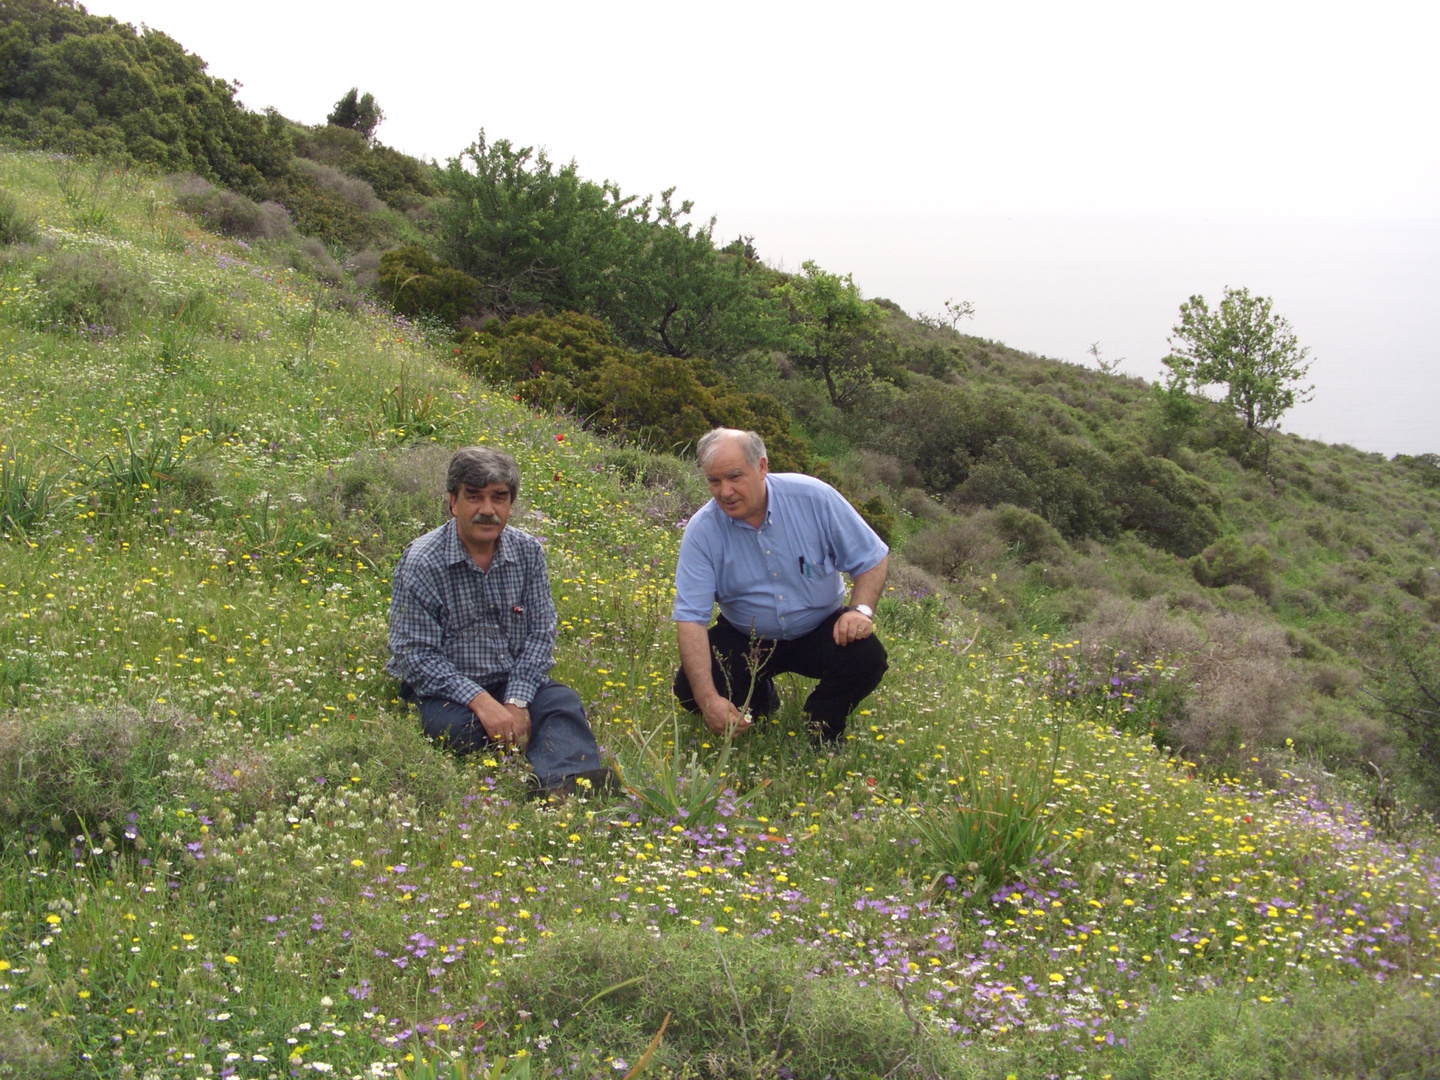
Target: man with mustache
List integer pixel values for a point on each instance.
(770, 549)
(472, 633)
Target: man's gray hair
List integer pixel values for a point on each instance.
(479, 467)
(751, 443)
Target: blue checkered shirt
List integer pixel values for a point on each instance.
(455, 628)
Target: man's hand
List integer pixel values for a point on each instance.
(721, 715)
(852, 626)
(506, 724)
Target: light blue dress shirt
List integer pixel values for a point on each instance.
(783, 579)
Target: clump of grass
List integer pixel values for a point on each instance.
(92, 191)
(671, 788)
(1367, 1031)
(997, 828)
(82, 765)
(16, 225)
(27, 495)
(742, 1008)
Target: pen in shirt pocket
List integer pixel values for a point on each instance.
(804, 567)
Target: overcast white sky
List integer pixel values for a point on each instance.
(899, 138)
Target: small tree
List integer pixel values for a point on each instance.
(838, 334)
(1246, 347)
(358, 113)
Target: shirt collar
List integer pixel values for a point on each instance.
(454, 551)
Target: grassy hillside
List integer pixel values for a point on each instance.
(228, 852)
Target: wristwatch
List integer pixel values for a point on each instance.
(519, 703)
(864, 609)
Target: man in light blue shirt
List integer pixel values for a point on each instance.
(770, 549)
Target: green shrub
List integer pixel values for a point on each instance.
(90, 290)
(16, 225)
(1230, 562)
(414, 283)
(1030, 537)
(663, 403)
(89, 84)
(400, 180)
(739, 1008)
(1370, 1031)
(1169, 508)
(956, 548)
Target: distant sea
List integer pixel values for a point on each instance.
(1364, 294)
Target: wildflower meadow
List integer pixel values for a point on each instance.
(228, 852)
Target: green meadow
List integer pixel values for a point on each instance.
(228, 851)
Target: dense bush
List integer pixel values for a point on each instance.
(539, 236)
(662, 402)
(335, 208)
(88, 84)
(415, 283)
(1230, 562)
(229, 212)
(402, 181)
(1168, 507)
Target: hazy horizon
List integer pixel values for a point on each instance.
(1362, 294)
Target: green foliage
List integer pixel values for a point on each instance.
(541, 237)
(328, 205)
(1247, 348)
(402, 181)
(998, 828)
(230, 213)
(88, 84)
(571, 361)
(743, 1008)
(838, 335)
(361, 115)
(27, 495)
(1362, 1032)
(1168, 507)
(1230, 562)
(415, 283)
(1408, 689)
(16, 225)
(673, 789)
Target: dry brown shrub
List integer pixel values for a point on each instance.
(350, 189)
(959, 547)
(910, 582)
(84, 762)
(1241, 686)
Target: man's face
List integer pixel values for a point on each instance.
(481, 513)
(737, 486)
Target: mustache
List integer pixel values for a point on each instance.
(485, 519)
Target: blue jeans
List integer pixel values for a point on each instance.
(561, 743)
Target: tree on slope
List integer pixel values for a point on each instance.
(1244, 346)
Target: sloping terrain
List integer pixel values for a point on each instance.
(227, 851)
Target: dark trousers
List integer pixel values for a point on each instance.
(561, 743)
(847, 673)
